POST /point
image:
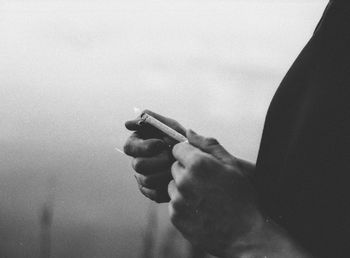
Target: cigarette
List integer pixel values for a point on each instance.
(148, 119)
(120, 151)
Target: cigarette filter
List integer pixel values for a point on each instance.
(146, 118)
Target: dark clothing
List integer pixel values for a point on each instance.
(304, 156)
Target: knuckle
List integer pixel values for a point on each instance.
(174, 167)
(147, 181)
(144, 181)
(130, 146)
(146, 148)
(150, 194)
(171, 186)
(138, 164)
(176, 149)
(183, 184)
(151, 147)
(173, 213)
(172, 190)
(143, 190)
(196, 162)
(178, 205)
(177, 171)
(127, 148)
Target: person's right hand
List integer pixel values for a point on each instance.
(152, 156)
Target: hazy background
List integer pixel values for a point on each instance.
(71, 73)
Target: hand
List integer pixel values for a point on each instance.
(152, 157)
(212, 201)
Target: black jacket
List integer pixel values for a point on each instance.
(304, 158)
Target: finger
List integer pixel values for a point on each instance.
(149, 193)
(156, 181)
(150, 165)
(180, 211)
(157, 195)
(145, 130)
(176, 197)
(185, 153)
(172, 190)
(178, 172)
(135, 146)
(133, 125)
(183, 180)
(180, 219)
(209, 145)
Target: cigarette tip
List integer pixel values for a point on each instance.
(120, 151)
(137, 111)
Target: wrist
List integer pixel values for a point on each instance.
(265, 239)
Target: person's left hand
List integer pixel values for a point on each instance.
(212, 201)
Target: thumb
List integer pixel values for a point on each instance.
(210, 146)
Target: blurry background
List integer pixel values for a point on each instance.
(71, 73)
